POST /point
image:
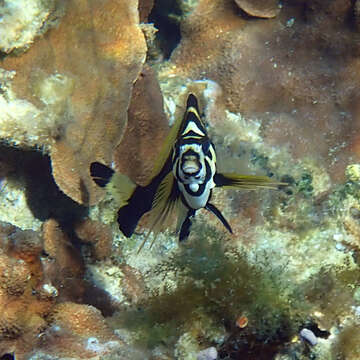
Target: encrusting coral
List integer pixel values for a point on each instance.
(74, 85)
(147, 127)
(98, 235)
(41, 281)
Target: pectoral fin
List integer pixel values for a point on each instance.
(219, 215)
(247, 182)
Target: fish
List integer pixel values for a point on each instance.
(182, 182)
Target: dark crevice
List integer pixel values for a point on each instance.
(8, 357)
(166, 16)
(317, 331)
(44, 198)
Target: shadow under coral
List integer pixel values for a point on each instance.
(44, 198)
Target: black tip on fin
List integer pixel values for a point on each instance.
(219, 215)
(127, 220)
(192, 101)
(101, 173)
(139, 203)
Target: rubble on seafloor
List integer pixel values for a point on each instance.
(278, 87)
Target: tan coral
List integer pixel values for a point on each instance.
(65, 267)
(82, 320)
(14, 275)
(97, 234)
(133, 283)
(147, 128)
(29, 301)
(22, 310)
(145, 7)
(77, 331)
(100, 48)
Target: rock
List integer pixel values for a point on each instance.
(259, 8)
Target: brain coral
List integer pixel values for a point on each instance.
(73, 86)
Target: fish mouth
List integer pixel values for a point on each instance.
(190, 167)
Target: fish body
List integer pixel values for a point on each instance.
(183, 180)
(194, 159)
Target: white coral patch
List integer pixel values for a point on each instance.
(21, 21)
(14, 208)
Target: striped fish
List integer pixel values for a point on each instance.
(182, 183)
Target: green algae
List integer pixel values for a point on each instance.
(219, 283)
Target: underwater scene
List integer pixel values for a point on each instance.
(180, 179)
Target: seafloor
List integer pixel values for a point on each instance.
(279, 88)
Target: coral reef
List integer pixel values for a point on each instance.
(277, 84)
(75, 117)
(147, 127)
(41, 277)
(98, 235)
(296, 95)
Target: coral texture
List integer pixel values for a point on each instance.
(98, 235)
(73, 86)
(22, 21)
(40, 277)
(147, 128)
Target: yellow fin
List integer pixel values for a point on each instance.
(121, 188)
(248, 182)
(167, 146)
(165, 203)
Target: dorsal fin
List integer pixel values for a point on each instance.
(192, 102)
(174, 133)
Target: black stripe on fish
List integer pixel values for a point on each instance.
(192, 116)
(192, 134)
